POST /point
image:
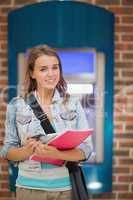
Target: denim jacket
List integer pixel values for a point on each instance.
(21, 122)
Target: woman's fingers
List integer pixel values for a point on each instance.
(46, 150)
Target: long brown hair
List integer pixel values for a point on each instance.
(35, 52)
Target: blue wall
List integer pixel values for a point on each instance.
(68, 24)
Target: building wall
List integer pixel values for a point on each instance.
(123, 96)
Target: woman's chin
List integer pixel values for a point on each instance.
(50, 87)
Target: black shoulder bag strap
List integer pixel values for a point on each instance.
(79, 190)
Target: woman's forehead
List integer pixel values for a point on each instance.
(46, 60)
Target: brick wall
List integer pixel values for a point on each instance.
(123, 104)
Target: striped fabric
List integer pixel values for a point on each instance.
(48, 177)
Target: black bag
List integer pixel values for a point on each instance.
(79, 189)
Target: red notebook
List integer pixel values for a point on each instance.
(67, 140)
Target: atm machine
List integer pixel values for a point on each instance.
(83, 71)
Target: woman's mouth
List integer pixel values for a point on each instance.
(51, 81)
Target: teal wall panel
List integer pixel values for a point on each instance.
(68, 24)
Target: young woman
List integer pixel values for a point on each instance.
(44, 79)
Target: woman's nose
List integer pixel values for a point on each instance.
(50, 72)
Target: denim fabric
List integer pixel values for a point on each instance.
(22, 123)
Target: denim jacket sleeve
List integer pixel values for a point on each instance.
(86, 146)
(11, 136)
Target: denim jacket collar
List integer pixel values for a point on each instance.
(56, 96)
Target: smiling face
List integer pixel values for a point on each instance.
(46, 72)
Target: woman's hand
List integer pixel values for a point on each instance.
(30, 146)
(46, 151)
(52, 152)
(24, 152)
